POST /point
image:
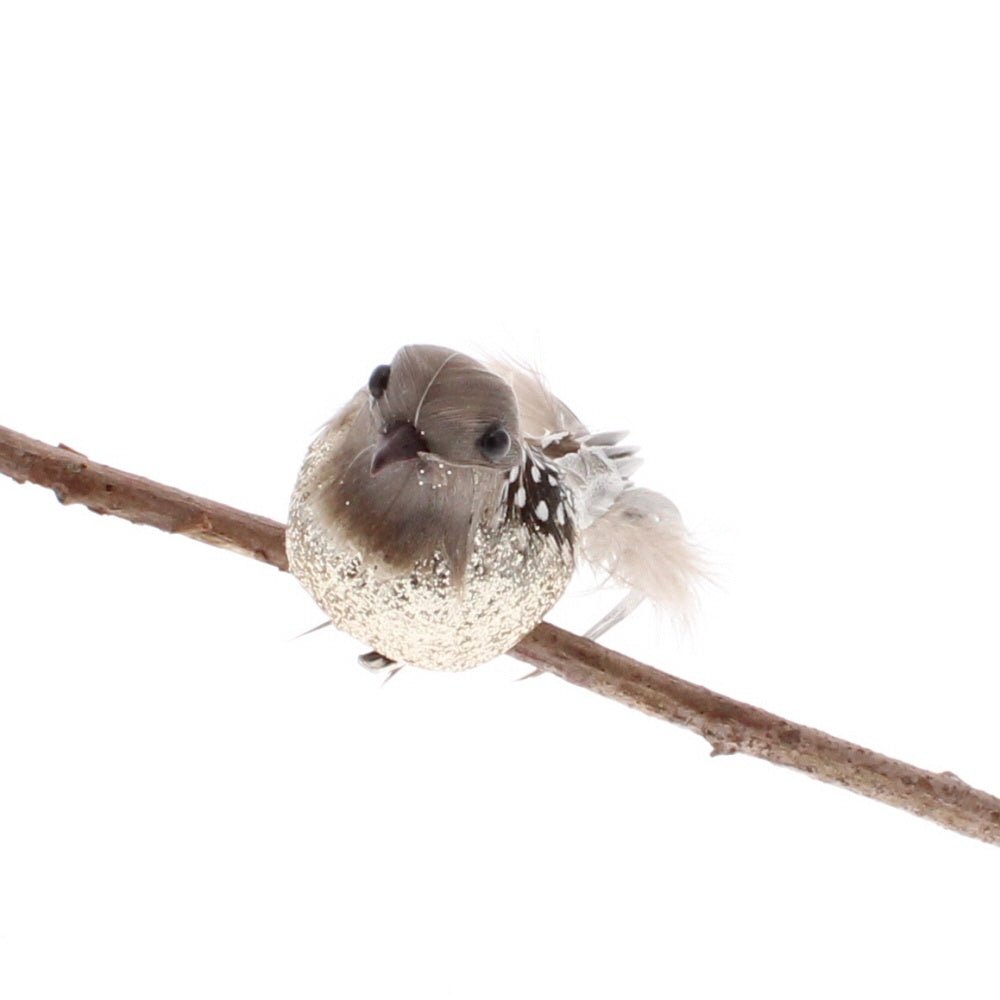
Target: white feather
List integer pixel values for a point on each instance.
(594, 481)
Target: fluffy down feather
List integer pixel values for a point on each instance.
(641, 542)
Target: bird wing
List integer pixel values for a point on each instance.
(634, 535)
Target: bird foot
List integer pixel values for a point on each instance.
(374, 662)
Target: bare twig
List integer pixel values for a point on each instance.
(75, 479)
(729, 726)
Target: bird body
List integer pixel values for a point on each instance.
(440, 514)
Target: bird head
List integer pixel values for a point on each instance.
(421, 457)
(438, 405)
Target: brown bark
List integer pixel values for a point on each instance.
(729, 726)
(74, 478)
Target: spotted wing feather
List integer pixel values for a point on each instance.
(634, 535)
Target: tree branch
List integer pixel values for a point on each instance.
(729, 726)
(75, 479)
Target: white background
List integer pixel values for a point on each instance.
(763, 236)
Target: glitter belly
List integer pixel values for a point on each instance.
(421, 617)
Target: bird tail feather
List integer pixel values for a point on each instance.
(641, 543)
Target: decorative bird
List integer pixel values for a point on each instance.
(441, 513)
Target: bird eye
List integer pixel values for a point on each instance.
(495, 443)
(378, 381)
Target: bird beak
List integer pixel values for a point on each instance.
(399, 444)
